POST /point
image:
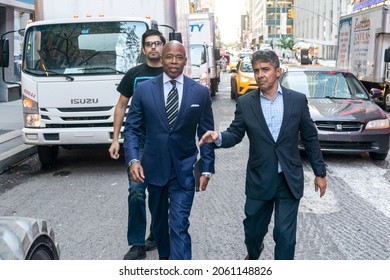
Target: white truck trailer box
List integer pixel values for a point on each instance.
(204, 55)
(364, 38)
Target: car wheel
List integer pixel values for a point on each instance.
(377, 156)
(386, 99)
(232, 90)
(27, 239)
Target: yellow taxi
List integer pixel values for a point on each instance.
(242, 79)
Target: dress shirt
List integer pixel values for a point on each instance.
(273, 114)
(168, 86)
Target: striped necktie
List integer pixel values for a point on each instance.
(172, 104)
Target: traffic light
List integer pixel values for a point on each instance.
(192, 7)
(290, 13)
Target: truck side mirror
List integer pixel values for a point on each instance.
(387, 55)
(175, 36)
(4, 53)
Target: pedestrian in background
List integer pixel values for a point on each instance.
(274, 118)
(152, 45)
(173, 109)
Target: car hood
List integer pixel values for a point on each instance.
(322, 109)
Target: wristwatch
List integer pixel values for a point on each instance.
(323, 174)
(133, 161)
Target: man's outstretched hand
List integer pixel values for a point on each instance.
(209, 137)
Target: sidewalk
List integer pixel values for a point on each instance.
(12, 149)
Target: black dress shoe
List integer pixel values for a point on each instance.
(150, 243)
(135, 253)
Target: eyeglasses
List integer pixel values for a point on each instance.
(156, 43)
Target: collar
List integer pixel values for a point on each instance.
(278, 92)
(179, 79)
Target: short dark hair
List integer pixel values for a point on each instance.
(152, 32)
(268, 56)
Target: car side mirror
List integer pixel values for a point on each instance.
(375, 92)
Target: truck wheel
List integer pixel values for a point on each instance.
(27, 239)
(386, 99)
(47, 154)
(213, 87)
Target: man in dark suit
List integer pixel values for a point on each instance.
(172, 109)
(273, 117)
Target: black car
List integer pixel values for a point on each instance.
(346, 117)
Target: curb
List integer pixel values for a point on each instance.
(14, 155)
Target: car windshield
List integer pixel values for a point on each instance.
(321, 84)
(246, 66)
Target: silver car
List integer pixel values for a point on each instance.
(346, 117)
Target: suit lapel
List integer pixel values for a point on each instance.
(288, 104)
(186, 98)
(258, 112)
(188, 92)
(158, 96)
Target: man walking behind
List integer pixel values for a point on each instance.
(152, 44)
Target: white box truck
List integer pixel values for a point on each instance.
(364, 48)
(74, 56)
(204, 54)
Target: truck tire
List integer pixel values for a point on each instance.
(47, 154)
(386, 99)
(213, 87)
(27, 239)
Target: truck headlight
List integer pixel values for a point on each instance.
(32, 120)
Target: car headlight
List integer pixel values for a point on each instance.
(378, 124)
(244, 79)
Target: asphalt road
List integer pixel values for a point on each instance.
(84, 198)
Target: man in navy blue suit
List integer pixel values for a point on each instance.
(273, 117)
(170, 152)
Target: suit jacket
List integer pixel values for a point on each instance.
(163, 146)
(264, 152)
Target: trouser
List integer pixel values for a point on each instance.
(170, 206)
(258, 215)
(136, 224)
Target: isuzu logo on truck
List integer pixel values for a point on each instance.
(84, 101)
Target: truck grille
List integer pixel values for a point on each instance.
(78, 119)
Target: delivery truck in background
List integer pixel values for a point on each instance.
(74, 56)
(203, 52)
(364, 47)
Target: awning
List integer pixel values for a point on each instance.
(305, 45)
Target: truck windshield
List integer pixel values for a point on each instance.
(83, 48)
(198, 55)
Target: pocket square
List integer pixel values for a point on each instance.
(194, 105)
